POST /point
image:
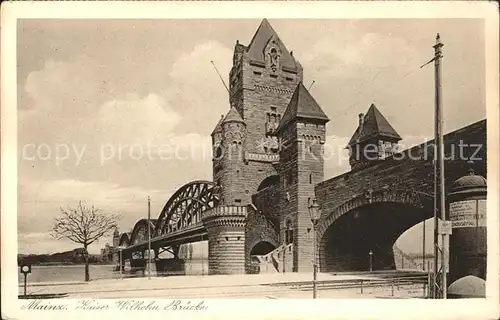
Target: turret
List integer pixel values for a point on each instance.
(228, 159)
(374, 140)
(302, 134)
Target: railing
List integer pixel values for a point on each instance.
(273, 257)
(406, 258)
(362, 284)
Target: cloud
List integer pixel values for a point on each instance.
(136, 120)
(196, 89)
(368, 53)
(77, 96)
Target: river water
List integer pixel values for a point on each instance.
(77, 272)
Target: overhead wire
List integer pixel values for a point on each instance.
(343, 112)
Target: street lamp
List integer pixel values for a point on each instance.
(120, 250)
(370, 254)
(314, 213)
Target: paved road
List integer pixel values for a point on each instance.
(234, 286)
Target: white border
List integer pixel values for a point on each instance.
(466, 309)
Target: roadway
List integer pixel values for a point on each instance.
(272, 286)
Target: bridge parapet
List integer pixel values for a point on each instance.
(224, 211)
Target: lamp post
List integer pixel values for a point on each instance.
(314, 213)
(370, 254)
(149, 238)
(121, 262)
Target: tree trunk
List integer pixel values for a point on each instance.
(86, 259)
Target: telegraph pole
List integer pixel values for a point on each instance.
(149, 237)
(423, 246)
(444, 234)
(439, 187)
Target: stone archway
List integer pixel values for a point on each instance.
(262, 248)
(259, 260)
(369, 222)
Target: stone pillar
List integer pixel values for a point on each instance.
(226, 239)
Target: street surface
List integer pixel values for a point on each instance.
(271, 286)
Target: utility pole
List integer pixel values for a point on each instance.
(202, 258)
(149, 238)
(423, 246)
(439, 187)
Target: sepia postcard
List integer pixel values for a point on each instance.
(250, 159)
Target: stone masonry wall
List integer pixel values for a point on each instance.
(255, 172)
(254, 89)
(232, 176)
(226, 239)
(267, 201)
(301, 167)
(406, 174)
(258, 228)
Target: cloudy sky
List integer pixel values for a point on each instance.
(97, 98)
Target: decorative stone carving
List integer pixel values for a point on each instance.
(273, 54)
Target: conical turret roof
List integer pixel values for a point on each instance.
(259, 42)
(373, 124)
(302, 105)
(233, 116)
(218, 127)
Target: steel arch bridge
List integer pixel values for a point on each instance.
(179, 221)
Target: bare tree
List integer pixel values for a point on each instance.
(83, 225)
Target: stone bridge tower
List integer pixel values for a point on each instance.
(245, 142)
(261, 82)
(302, 134)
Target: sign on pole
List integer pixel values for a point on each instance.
(25, 270)
(444, 227)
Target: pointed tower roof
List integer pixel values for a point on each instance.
(302, 105)
(371, 125)
(218, 127)
(259, 42)
(233, 116)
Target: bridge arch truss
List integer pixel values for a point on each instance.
(186, 206)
